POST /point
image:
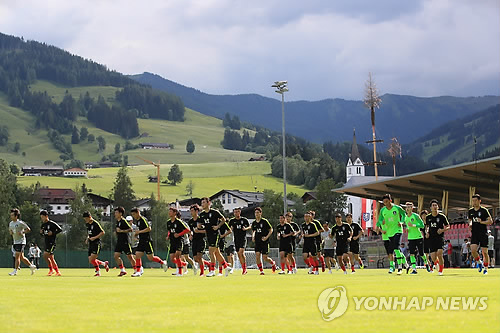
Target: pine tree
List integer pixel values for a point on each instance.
(175, 175)
(190, 147)
(123, 193)
(75, 136)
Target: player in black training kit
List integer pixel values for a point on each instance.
(197, 238)
(436, 224)
(224, 231)
(343, 236)
(94, 234)
(176, 230)
(479, 218)
(296, 232)
(122, 243)
(309, 250)
(49, 230)
(319, 240)
(285, 233)
(211, 221)
(145, 244)
(262, 230)
(357, 232)
(240, 226)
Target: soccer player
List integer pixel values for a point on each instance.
(343, 236)
(95, 232)
(427, 249)
(319, 240)
(285, 233)
(197, 237)
(437, 224)
(296, 229)
(240, 226)
(393, 216)
(176, 230)
(18, 229)
(328, 247)
(123, 228)
(479, 218)
(145, 244)
(414, 225)
(357, 232)
(186, 242)
(229, 249)
(133, 239)
(309, 250)
(212, 220)
(224, 231)
(49, 230)
(262, 230)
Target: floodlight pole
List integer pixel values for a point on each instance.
(281, 88)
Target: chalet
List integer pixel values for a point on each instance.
(42, 170)
(309, 196)
(56, 199)
(75, 172)
(143, 204)
(101, 203)
(155, 145)
(109, 164)
(231, 199)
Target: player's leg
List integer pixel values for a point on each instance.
(486, 259)
(440, 258)
(282, 262)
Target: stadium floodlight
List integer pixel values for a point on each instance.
(281, 88)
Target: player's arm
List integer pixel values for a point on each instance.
(26, 229)
(199, 228)
(313, 234)
(58, 228)
(269, 233)
(350, 234)
(97, 236)
(229, 231)
(419, 223)
(489, 220)
(290, 233)
(248, 227)
(183, 232)
(222, 220)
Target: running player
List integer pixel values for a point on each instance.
(414, 224)
(95, 232)
(328, 247)
(197, 237)
(123, 228)
(145, 244)
(133, 239)
(296, 229)
(393, 216)
(285, 233)
(229, 249)
(262, 230)
(186, 242)
(176, 230)
(319, 240)
(357, 232)
(224, 231)
(381, 228)
(479, 218)
(343, 236)
(18, 229)
(437, 224)
(427, 248)
(240, 226)
(212, 220)
(49, 230)
(309, 251)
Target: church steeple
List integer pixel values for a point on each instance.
(354, 151)
(355, 166)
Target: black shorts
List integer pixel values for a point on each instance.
(262, 247)
(294, 244)
(123, 247)
(436, 243)
(388, 247)
(427, 245)
(144, 246)
(310, 247)
(176, 246)
(395, 241)
(213, 240)
(491, 254)
(479, 239)
(342, 249)
(228, 250)
(94, 248)
(318, 245)
(19, 247)
(354, 247)
(329, 253)
(198, 246)
(50, 247)
(240, 244)
(221, 246)
(416, 246)
(285, 247)
(185, 249)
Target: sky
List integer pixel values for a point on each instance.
(324, 49)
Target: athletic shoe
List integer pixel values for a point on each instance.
(400, 271)
(407, 269)
(310, 270)
(322, 268)
(195, 269)
(414, 271)
(186, 272)
(330, 272)
(480, 266)
(122, 273)
(440, 273)
(164, 265)
(179, 274)
(245, 272)
(231, 271)
(294, 270)
(353, 272)
(281, 272)
(391, 270)
(485, 272)
(33, 269)
(227, 270)
(345, 272)
(106, 266)
(50, 273)
(174, 273)
(97, 274)
(58, 274)
(141, 270)
(136, 274)
(262, 273)
(13, 273)
(337, 267)
(210, 274)
(290, 272)
(220, 274)
(428, 268)
(316, 272)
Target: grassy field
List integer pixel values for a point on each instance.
(160, 302)
(208, 178)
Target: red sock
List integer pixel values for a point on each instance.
(157, 259)
(352, 268)
(121, 266)
(244, 266)
(183, 263)
(95, 264)
(289, 268)
(322, 260)
(441, 268)
(485, 264)
(260, 267)
(308, 262)
(224, 264)
(206, 263)
(202, 270)
(212, 266)
(138, 263)
(220, 269)
(55, 266)
(99, 263)
(50, 266)
(477, 259)
(343, 267)
(282, 266)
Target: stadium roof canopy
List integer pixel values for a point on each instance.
(457, 182)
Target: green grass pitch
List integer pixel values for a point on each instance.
(160, 302)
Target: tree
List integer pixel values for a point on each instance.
(125, 160)
(4, 135)
(123, 193)
(102, 143)
(190, 189)
(175, 175)
(84, 133)
(14, 169)
(75, 136)
(328, 202)
(47, 162)
(91, 138)
(190, 147)
(76, 231)
(117, 148)
(394, 150)
(8, 185)
(17, 147)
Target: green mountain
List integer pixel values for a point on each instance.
(460, 140)
(404, 117)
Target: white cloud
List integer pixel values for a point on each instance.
(423, 48)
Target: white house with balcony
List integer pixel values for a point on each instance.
(75, 172)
